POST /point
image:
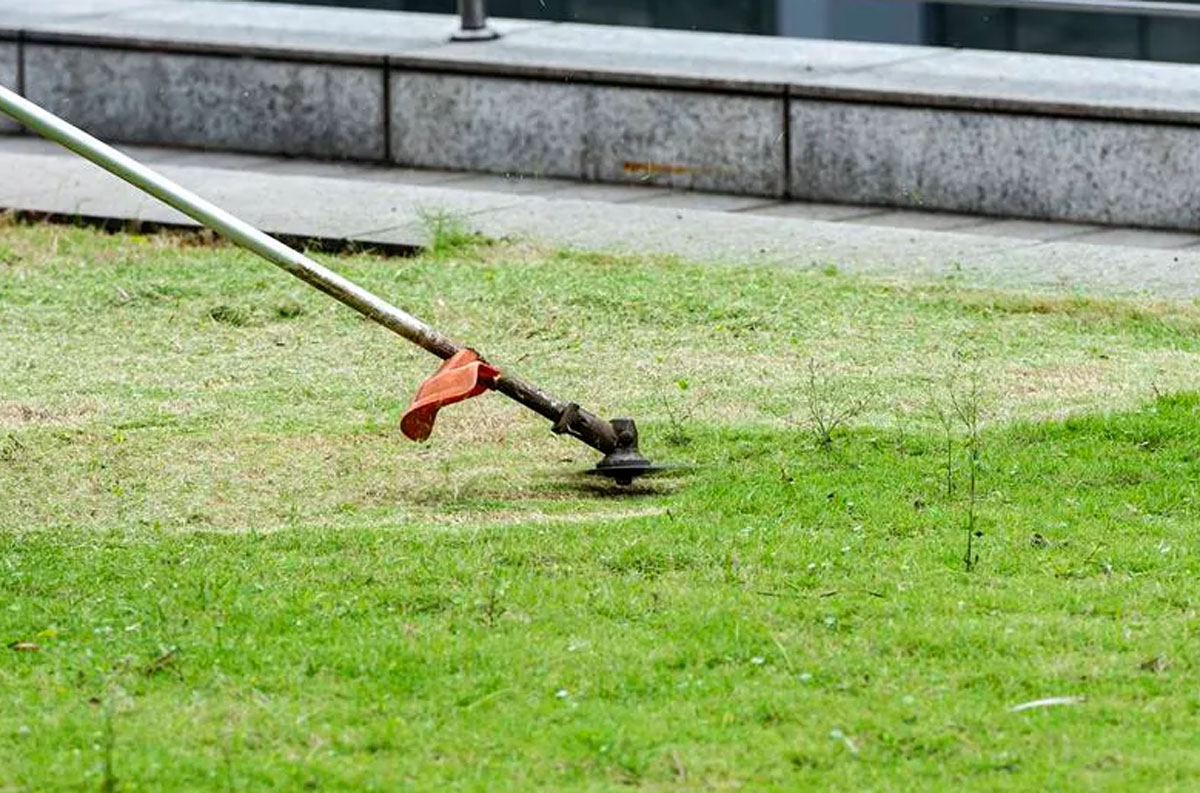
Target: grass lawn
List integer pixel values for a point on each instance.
(221, 567)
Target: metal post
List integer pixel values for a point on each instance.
(474, 22)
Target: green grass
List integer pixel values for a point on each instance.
(221, 568)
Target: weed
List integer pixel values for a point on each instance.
(945, 418)
(831, 404)
(10, 448)
(107, 746)
(8, 256)
(967, 407)
(679, 417)
(236, 316)
(289, 310)
(448, 234)
(492, 608)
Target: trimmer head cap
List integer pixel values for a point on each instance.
(624, 463)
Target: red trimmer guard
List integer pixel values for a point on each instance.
(461, 377)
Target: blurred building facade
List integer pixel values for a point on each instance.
(898, 21)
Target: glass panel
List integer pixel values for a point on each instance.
(611, 12)
(877, 20)
(1065, 33)
(977, 28)
(730, 16)
(1173, 40)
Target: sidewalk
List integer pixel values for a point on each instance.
(385, 206)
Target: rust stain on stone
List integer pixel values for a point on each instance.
(652, 168)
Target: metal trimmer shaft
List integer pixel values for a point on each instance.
(568, 418)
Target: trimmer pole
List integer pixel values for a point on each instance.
(617, 439)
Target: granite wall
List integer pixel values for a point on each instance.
(684, 139)
(9, 52)
(997, 163)
(212, 101)
(988, 133)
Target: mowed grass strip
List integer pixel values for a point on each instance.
(221, 569)
(155, 381)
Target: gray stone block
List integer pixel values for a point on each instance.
(696, 141)
(997, 164)
(676, 138)
(212, 101)
(8, 79)
(488, 124)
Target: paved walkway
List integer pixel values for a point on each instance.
(380, 205)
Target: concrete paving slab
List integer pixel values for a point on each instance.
(309, 32)
(664, 58)
(326, 208)
(392, 174)
(722, 236)
(612, 193)
(714, 202)
(70, 186)
(1039, 230)
(27, 144)
(333, 169)
(308, 206)
(515, 184)
(159, 156)
(814, 211)
(1139, 238)
(20, 14)
(150, 155)
(911, 219)
(211, 101)
(1097, 87)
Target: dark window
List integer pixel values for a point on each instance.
(1065, 32)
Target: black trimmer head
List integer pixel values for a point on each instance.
(624, 463)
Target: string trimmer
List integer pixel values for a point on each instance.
(464, 373)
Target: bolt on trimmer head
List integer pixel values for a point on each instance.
(463, 375)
